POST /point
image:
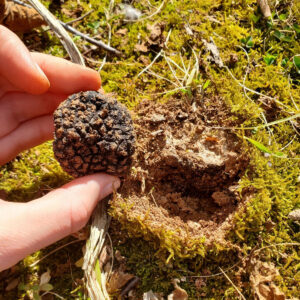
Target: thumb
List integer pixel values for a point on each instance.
(18, 67)
(28, 227)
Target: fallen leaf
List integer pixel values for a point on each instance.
(117, 280)
(141, 47)
(45, 277)
(145, 60)
(79, 262)
(262, 284)
(12, 284)
(199, 283)
(212, 48)
(122, 31)
(178, 293)
(155, 32)
(155, 38)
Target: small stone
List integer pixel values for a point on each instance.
(157, 118)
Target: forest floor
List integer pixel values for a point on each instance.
(213, 88)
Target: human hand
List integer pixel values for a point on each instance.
(31, 87)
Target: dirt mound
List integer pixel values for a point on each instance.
(185, 172)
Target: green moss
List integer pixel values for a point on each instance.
(32, 173)
(272, 181)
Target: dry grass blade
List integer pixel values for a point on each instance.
(235, 287)
(96, 283)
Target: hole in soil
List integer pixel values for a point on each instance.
(185, 173)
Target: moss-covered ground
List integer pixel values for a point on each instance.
(260, 84)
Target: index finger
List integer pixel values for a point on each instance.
(17, 65)
(66, 77)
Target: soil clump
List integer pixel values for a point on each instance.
(185, 170)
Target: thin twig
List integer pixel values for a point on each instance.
(175, 64)
(90, 40)
(172, 70)
(263, 117)
(132, 283)
(59, 31)
(253, 91)
(235, 287)
(275, 245)
(244, 258)
(161, 77)
(187, 71)
(150, 65)
(53, 251)
(290, 142)
(296, 130)
(296, 116)
(76, 32)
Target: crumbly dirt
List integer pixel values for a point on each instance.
(186, 171)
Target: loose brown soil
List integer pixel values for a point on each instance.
(185, 172)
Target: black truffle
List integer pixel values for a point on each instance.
(93, 133)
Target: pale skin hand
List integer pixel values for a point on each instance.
(28, 97)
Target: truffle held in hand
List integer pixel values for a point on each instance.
(93, 133)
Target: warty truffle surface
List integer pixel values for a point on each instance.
(93, 133)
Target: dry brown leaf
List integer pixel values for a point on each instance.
(19, 18)
(199, 283)
(155, 32)
(12, 284)
(178, 293)
(117, 280)
(122, 31)
(79, 262)
(141, 47)
(213, 49)
(145, 60)
(155, 38)
(261, 280)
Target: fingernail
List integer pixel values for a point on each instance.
(41, 71)
(111, 187)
